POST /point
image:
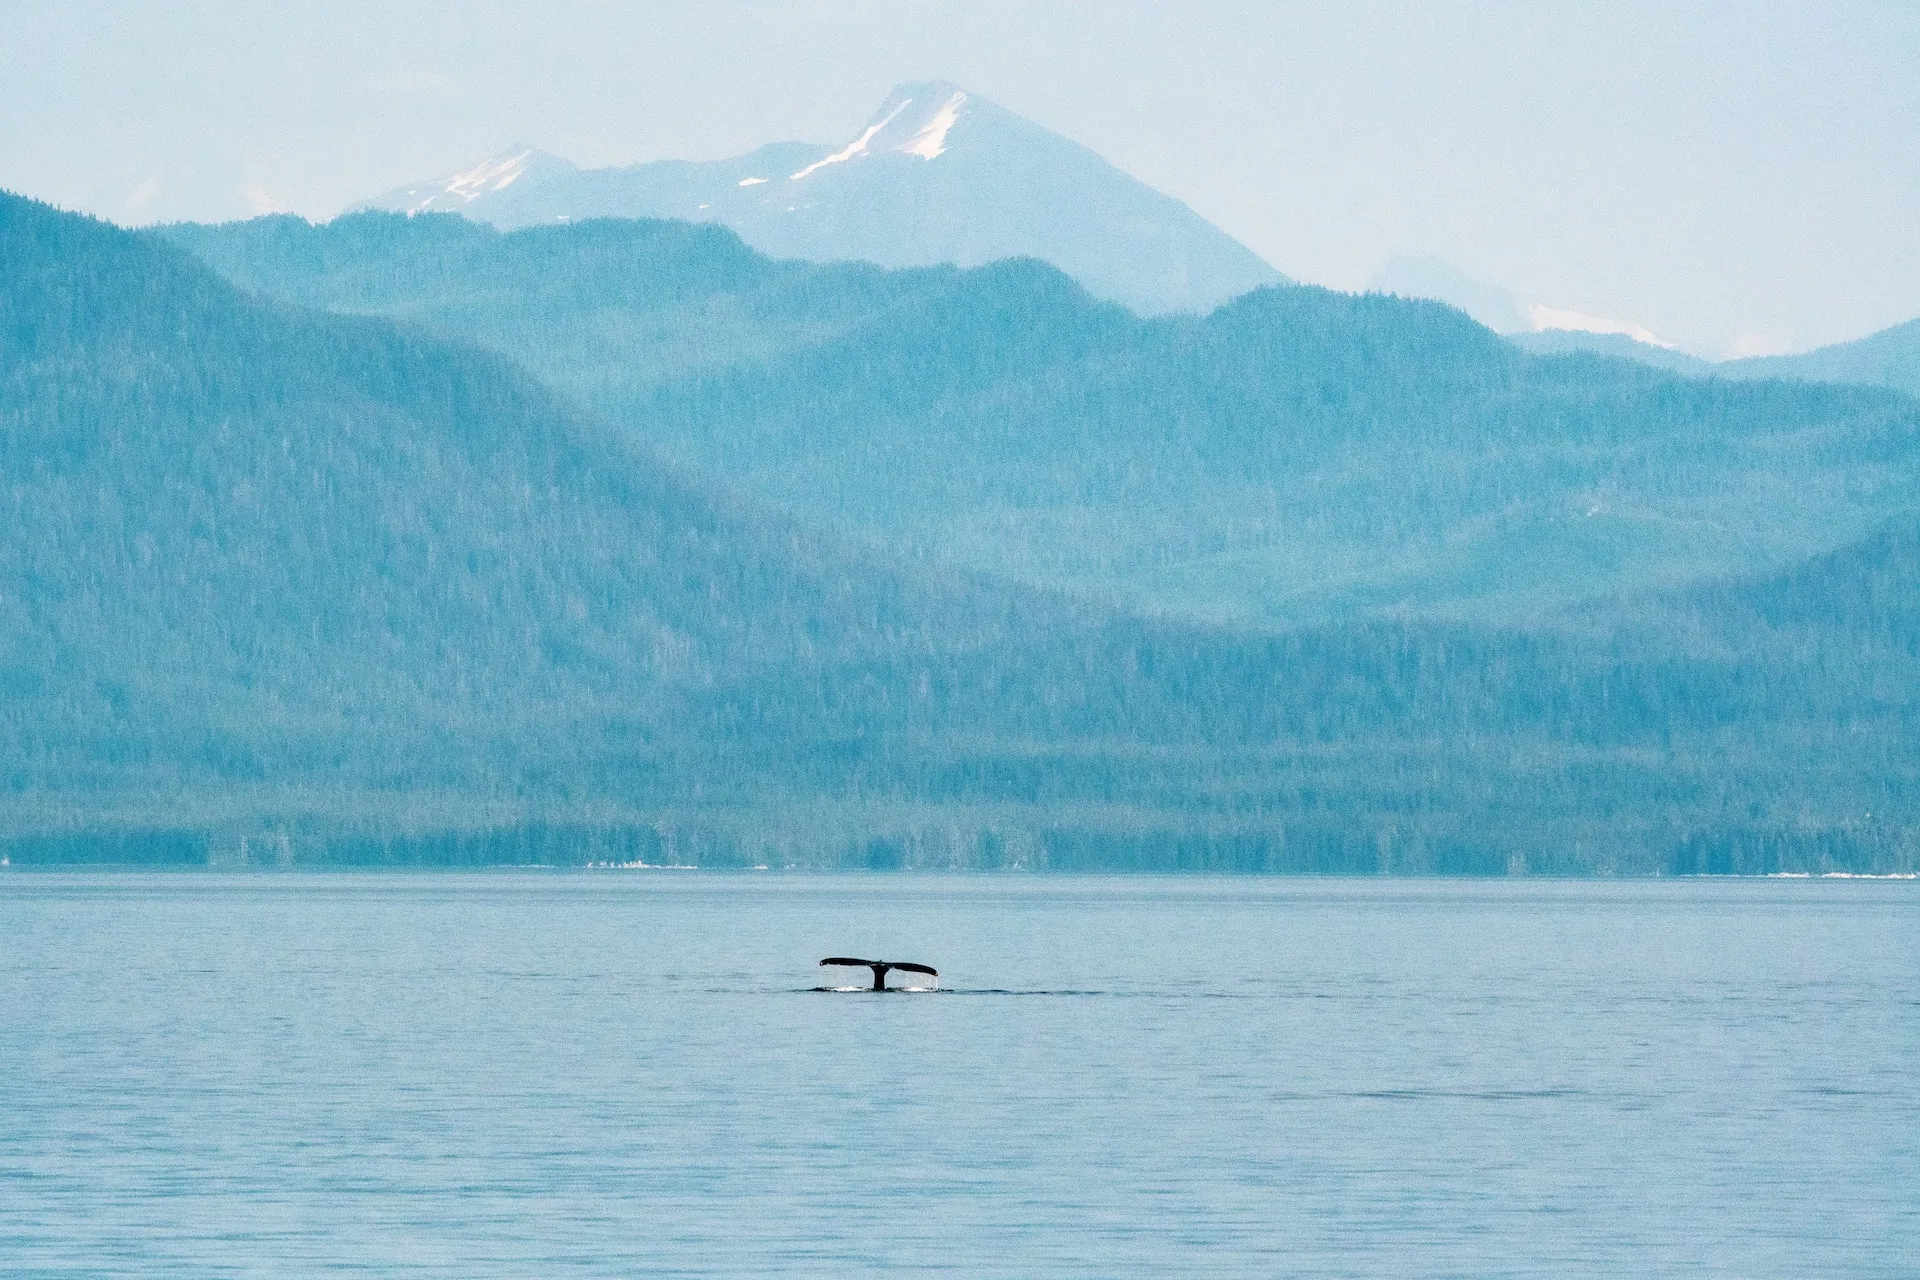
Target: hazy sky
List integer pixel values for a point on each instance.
(1730, 175)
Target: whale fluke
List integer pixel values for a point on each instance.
(927, 969)
(880, 968)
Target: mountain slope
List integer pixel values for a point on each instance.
(1561, 342)
(265, 567)
(1889, 358)
(1437, 280)
(248, 541)
(368, 595)
(1297, 456)
(938, 175)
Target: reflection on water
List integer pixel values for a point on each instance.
(624, 1073)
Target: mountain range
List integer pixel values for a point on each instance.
(937, 175)
(1298, 456)
(1889, 358)
(347, 588)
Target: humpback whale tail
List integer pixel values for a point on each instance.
(881, 967)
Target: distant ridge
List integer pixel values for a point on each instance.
(1560, 342)
(1297, 455)
(938, 174)
(1889, 358)
(325, 588)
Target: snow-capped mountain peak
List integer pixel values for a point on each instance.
(931, 140)
(858, 147)
(915, 120)
(494, 174)
(936, 175)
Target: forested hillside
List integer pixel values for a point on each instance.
(1298, 456)
(1561, 342)
(255, 545)
(280, 585)
(1889, 358)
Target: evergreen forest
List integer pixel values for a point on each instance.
(406, 541)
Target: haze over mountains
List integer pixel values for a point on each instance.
(938, 175)
(1297, 456)
(364, 592)
(1889, 358)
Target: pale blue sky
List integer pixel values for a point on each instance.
(1724, 174)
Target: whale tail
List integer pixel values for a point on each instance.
(881, 968)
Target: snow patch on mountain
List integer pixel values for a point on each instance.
(1544, 317)
(1005, 188)
(1426, 276)
(857, 147)
(491, 175)
(931, 140)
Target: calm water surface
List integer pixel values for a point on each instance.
(628, 1074)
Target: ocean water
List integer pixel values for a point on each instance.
(631, 1073)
